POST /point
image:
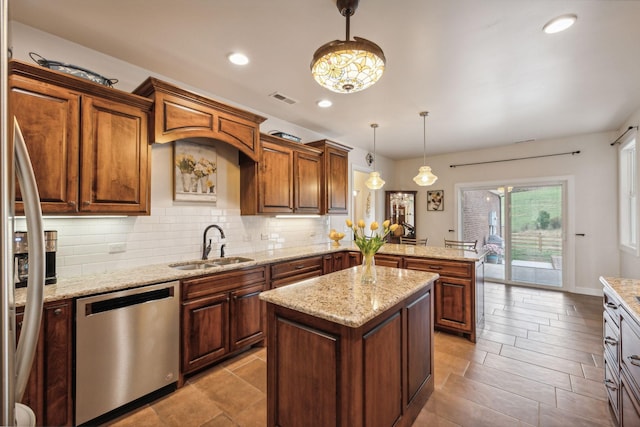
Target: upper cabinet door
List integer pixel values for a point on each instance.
(308, 176)
(276, 178)
(49, 119)
(115, 158)
(337, 167)
(335, 176)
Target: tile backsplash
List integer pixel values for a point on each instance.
(88, 245)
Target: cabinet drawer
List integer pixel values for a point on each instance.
(388, 261)
(442, 267)
(220, 282)
(630, 347)
(611, 338)
(612, 384)
(611, 305)
(298, 267)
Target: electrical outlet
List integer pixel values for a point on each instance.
(116, 248)
(264, 236)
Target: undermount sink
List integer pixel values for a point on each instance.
(229, 260)
(216, 262)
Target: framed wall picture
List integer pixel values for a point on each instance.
(435, 200)
(195, 172)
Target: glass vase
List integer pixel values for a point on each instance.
(368, 276)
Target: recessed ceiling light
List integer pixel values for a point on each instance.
(560, 23)
(324, 103)
(238, 59)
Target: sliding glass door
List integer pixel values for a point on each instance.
(522, 227)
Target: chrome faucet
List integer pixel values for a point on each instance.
(207, 249)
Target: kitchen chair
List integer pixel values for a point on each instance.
(410, 241)
(460, 244)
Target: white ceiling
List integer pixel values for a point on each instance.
(483, 69)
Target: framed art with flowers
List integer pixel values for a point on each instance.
(195, 172)
(435, 200)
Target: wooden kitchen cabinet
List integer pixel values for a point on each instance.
(335, 176)
(458, 293)
(388, 260)
(221, 314)
(286, 179)
(354, 258)
(335, 261)
(88, 143)
(49, 390)
(287, 272)
(323, 373)
(180, 114)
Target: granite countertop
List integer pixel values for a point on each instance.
(340, 297)
(71, 287)
(627, 290)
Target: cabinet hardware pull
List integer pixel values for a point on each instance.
(299, 267)
(87, 203)
(610, 384)
(71, 203)
(610, 341)
(435, 267)
(634, 359)
(612, 305)
(57, 311)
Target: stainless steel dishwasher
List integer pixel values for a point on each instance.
(127, 346)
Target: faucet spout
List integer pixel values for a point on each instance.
(205, 252)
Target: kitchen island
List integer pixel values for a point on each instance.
(340, 353)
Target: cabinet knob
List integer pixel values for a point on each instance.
(634, 360)
(71, 203)
(57, 312)
(86, 203)
(610, 341)
(612, 305)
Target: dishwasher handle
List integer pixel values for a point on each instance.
(116, 303)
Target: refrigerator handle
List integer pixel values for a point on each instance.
(35, 284)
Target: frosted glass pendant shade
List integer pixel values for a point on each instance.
(425, 176)
(374, 182)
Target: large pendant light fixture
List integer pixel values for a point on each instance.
(374, 182)
(350, 65)
(425, 176)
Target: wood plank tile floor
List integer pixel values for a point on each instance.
(538, 362)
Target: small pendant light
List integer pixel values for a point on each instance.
(425, 177)
(375, 182)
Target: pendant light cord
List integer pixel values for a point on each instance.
(374, 126)
(424, 115)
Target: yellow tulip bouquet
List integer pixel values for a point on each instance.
(369, 245)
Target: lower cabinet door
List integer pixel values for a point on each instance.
(453, 304)
(630, 407)
(247, 312)
(205, 335)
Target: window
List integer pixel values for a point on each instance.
(628, 197)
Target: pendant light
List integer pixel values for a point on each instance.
(425, 176)
(351, 65)
(374, 182)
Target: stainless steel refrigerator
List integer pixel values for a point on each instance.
(16, 360)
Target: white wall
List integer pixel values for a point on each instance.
(594, 177)
(629, 264)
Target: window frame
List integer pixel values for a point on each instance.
(628, 200)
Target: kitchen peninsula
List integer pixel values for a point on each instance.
(344, 353)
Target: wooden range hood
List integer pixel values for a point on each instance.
(180, 114)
